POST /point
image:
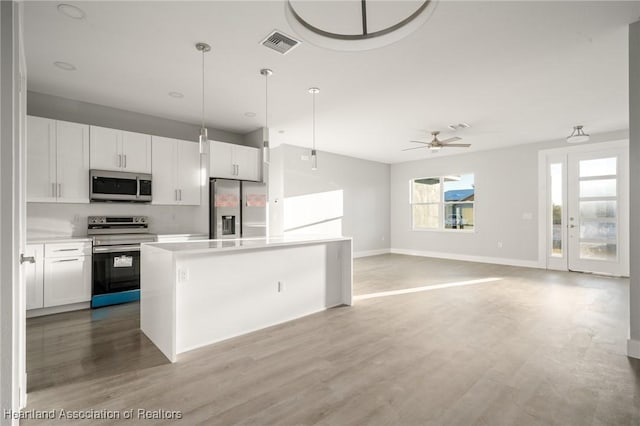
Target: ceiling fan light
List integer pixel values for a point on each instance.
(435, 148)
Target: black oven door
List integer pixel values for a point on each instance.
(115, 269)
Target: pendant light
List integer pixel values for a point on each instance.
(578, 135)
(266, 72)
(204, 137)
(314, 155)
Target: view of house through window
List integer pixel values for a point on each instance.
(443, 202)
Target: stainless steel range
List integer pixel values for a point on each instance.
(116, 257)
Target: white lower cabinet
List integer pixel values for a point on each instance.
(35, 276)
(61, 274)
(67, 280)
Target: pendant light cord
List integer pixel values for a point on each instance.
(266, 101)
(314, 121)
(203, 88)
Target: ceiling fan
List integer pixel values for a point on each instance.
(436, 144)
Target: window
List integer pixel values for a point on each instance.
(443, 202)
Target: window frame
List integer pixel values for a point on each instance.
(442, 205)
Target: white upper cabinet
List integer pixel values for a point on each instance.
(136, 152)
(189, 173)
(72, 169)
(231, 161)
(57, 161)
(118, 150)
(41, 159)
(176, 172)
(247, 161)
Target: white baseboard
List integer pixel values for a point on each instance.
(58, 309)
(633, 348)
(470, 258)
(366, 253)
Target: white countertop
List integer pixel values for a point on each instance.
(51, 240)
(207, 246)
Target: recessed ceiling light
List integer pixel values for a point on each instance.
(176, 95)
(249, 114)
(65, 66)
(281, 131)
(71, 11)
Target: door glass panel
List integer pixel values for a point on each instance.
(598, 230)
(598, 167)
(597, 209)
(598, 188)
(556, 209)
(598, 251)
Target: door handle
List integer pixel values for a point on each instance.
(59, 190)
(119, 160)
(67, 260)
(180, 194)
(27, 259)
(175, 195)
(69, 249)
(53, 189)
(125, 161)
(572, 226)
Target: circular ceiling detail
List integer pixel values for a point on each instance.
(356, 25)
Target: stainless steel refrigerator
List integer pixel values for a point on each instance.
(237, 209)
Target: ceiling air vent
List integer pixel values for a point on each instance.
(280, 42)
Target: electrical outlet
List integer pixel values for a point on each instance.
(183, 275)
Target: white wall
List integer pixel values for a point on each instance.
(345, 194)
(506, 207)
(634, 168)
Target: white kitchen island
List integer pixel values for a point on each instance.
(199, 292)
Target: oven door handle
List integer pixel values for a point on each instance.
(115, 249)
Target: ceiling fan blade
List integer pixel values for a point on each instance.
(426, 143)
(417, 147)
(453, 139)
(457, 145)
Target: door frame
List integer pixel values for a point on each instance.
(546, 157)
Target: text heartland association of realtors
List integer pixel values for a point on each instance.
(131, 414)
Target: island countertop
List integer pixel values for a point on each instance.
(193, 247)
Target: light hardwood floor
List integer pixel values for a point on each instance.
(530, 347)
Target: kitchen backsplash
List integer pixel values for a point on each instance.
(46, 220)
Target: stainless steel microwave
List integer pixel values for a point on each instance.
(105, 185)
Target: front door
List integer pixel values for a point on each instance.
(597, 216)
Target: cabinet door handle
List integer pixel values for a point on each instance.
(175, 195)
(180, 194)
(59, 190)
(69, 249)
(67, 260)
(125, 161)
(119, 160)
(53, 189)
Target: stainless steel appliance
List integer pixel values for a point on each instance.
(107, 185)
(116, 257)
(237, 209)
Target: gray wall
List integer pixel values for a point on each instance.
(58, 108)
(634, 168)
(506, 194)
(364, 185)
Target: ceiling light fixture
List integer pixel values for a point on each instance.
(266, 72)
(204, 138)
(70, 11)
(314, 155)
(65, 66)
(578, 135)
(176, 95)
